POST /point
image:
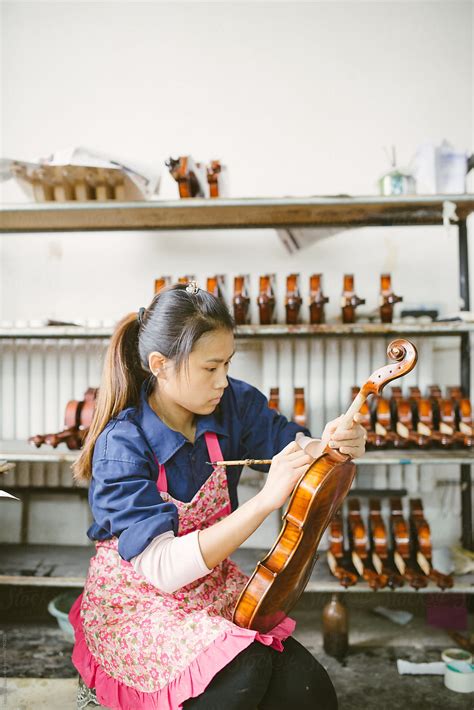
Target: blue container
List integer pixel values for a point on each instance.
(59, 607)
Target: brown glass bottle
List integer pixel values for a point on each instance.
(335, 628)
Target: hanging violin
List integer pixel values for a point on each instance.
(77, 420)
(282, 575)
(360, 548)
(317, 299)
(378, 539)
(293, 299)
(336, 555)
(241, 299)
(421, 536)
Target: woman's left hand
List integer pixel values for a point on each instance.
(348, 440)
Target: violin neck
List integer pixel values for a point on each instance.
(355, 407)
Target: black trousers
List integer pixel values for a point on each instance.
(261, 678)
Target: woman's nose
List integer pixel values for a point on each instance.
(221, 384)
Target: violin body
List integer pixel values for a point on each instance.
(288, 566)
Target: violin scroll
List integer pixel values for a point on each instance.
(405, 357)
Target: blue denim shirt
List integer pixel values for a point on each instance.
(123, 495)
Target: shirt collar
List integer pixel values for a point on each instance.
(164, 441)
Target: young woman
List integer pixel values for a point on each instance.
(153, 626)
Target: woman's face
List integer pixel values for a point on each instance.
(200, 389)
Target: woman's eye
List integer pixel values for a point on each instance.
(213, 369)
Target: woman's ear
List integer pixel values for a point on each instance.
(157, 363)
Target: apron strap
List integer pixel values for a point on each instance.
(214, 451)
(213, 447)
(162, 482)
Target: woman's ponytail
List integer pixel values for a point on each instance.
(120, 386)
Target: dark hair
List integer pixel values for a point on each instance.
(171, 325)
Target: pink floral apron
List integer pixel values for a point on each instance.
(141, 648)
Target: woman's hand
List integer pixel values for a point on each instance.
(285, 471)
(348, 440)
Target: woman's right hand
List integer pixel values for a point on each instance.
(285, 471)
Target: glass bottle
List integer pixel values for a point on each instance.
(335, 628)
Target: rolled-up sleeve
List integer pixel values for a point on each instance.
(265, 432)
(125, 500)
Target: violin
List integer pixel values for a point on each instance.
(189, 175)
(317, 299)
(274, 399)
(336, 554)
(395, 393)
(423, 418)
(444, 418)
(464, 418)
(462, 408)
(420, 531)
(349, 301)
(186, 279)
(215, 173)
(241, 300)
(77, 420)
(266, 299)
(454, 392)
(378, 541)
(281, 576)
(447, 422)
(401, 546)
(405, 437)
(359, 546)
(293, 299)
(299, 409)
(385, 437)
(216, 286)
(162, 283)
(387, 299)
(434, 391)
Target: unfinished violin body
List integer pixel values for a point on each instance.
(282, 575)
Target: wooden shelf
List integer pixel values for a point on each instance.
(17, 451)
(412, 456)
(66, 566)
(277, 330)
(333, 211)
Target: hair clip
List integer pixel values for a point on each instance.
(140, 315)
(192, 287)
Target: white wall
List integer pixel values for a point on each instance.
(296, 98)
